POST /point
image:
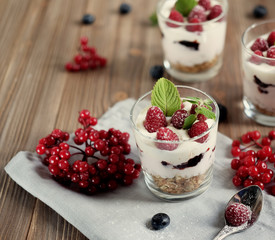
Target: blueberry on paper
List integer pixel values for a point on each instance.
(88, 19)
(160, 221)
(259, 11)
(124, 8)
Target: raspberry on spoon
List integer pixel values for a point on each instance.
(237, 214)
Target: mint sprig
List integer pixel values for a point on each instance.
(185, 6)
(165, 95)
(203, 107)
(154, 19)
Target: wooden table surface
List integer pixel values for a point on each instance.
(37, 95)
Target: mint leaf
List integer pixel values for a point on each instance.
(193, 100)
(185, 6)
(206, 112)
(165, 95)
(154, 19)
(189, 121)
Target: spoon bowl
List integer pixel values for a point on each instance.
(252, 197)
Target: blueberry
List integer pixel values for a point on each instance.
(160, 220)
(223, 112)
(259, 11)
(124, 8)
(88, 19)
(157, 71)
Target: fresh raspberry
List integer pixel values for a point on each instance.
(237, 214)
(195, 27)
(175, 16)
(201, 117)
(271, 39)
(154, 119)
(271, 52)
(256, 59)
(178, 118)
(205, 3)
(259, 44)
(167, 134)
(214, 12)
(197, 12)
(197, 129)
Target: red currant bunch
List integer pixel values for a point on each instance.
(100, 165)
(87, 58)
(252, 162)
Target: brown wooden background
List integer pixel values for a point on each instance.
(37, 37)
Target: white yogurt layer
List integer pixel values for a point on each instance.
(211, 40)
(266, 74)
(152, 157)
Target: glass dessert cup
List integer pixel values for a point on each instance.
(185, 171)
(192, 56)
(258, 76)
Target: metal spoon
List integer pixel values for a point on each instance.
(251, 196)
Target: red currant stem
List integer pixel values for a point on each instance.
(258, 144)
(77, 149)
(251, 145)
(76, 153)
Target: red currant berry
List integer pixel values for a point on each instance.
(83, 184)
(250, 153)
(105, 151)
(64, 154)
(104, 134)
(99, 144)
(127, 180)
(92, 170)
(94, 136)
(95, 180)
(236, 143)
(93, 121)
(85, 114)
(267, 151)
(112, 168)
(53, 160)
(265, 178)
(242, 172)
(255, 135)
(50, 140)
(54, 169)
(84, 175)
(235, 151)
(135, 174)
(266, 141)
(115, 150)
(248, 182)
(262, 166)
(112, 184)
(242, 155)
(237, 181)
(273, 190)
(69, 66)
(89, 151)
(127, 148)
(76, 165)
(55, 151)
(246, 138)
(249, 161)
(84, 40)
(113, 158)
(101, 164)
(40, 149)
(57, 133)
(260, 184)
(253, 171)
(113, 141)
(270, 172)
(83, 166)
(271, 158)
(64, 146)
(271, 134)
(129, 169)
(63, 164)
(75, 178)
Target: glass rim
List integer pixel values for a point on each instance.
(182, 24)
(248, 50)
(180, 141)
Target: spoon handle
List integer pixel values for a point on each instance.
(227, 230)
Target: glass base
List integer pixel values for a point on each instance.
(178, 197)
(251, 111)
(193, 77)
